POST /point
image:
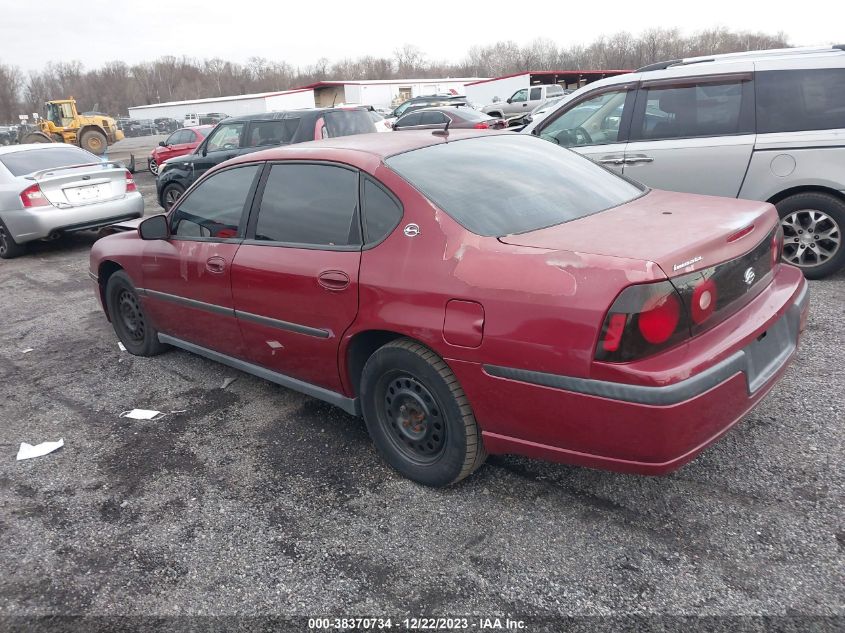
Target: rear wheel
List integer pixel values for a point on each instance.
(94, 141)
(9, 248)
(170, 195)
(418, 415)
(812, 233)
(130, 323)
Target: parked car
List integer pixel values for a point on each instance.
(540, 111)
(764, 125)
(7, 135)
(242, 135)
(417, 103)
(49, 189)
(179, 143)
(456, 116)
(523, 101)
(140, 127)
(488, 292)
(211, 118)
(166, 125)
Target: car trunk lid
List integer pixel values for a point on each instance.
(81, 185)
(681, 233)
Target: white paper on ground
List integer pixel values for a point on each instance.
(28, 451)
(227, 382)
(141, 414)
(27, 350)
(121, 346)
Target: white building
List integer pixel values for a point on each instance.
(484, 91)
(233, 106)
(384, 93)
(381, 93)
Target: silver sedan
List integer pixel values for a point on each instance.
(50, 189)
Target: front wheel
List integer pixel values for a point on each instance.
(812, 233)
(152, 165)
(418, 415)
(130, 323)
(170, 195)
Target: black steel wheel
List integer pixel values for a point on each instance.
(128, 318)
(9, 248)
(418, 415)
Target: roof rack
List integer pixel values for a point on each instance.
(740, 55)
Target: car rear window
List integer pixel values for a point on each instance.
(348, 122)
(28, 161)
(505, 184)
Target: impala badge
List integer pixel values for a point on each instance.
(412, 230)
(749, 276)
(687, 263)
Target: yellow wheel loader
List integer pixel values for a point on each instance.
(63, 124)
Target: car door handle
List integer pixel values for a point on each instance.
(215, 265)
(638, 158)
(333, 280)
(608, 160)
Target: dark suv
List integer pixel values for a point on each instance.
(244, 134)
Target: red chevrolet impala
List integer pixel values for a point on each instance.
(470, 293)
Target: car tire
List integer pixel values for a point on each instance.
(9, 248)
(418, 415)
(170, 194)
(130, 323)
(822, 252)
(94, 141)
(152, 165)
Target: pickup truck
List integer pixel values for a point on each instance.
(523, 101)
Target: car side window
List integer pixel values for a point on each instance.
(173, 139)
(314, 205)
(704, 109)
(594, 121)
(214, 209)
(797, 100)
(266, 133)
(520, 95)
(382, 212)
(432, 118)
(226, 136)
(536, 94)
(409, 119)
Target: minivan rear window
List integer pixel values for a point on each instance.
(797, 100)
(32, 160)
(514, 183)
(348, 122)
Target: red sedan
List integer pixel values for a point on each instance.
(470, 293)
(181, 142)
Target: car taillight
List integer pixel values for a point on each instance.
(481, 126)
(32, 196)
(130, 182)
(643, 319)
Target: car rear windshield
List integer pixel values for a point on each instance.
(514, 183)
(28, 161)
(469, 114)
(348, 122)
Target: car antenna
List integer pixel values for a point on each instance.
(445, 130)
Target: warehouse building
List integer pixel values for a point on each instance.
(381, 93)
(232, 106)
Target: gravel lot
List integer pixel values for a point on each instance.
(255, 500)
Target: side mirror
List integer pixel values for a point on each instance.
(509, 100)
(527, 119)
(162, 144)
(154, 228)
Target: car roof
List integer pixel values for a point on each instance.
(284, 114)
(379, 146)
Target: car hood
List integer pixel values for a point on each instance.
(677, 231)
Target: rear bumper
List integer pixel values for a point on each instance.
(636, 428)
(38, 223)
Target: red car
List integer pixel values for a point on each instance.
(181, 142)
(470, 293)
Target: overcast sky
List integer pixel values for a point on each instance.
(32, 34)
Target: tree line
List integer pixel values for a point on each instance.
(115, 85)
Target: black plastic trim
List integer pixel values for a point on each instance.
(350, 405)
(184, 301)
(283, 325)
(742, 361)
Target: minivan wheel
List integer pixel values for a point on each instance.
(9, 248)
(170, 195)
(812, 233)
(129, 321)
(418, 415)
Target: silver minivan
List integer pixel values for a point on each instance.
(763, 125)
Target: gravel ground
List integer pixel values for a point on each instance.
(255, 500)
